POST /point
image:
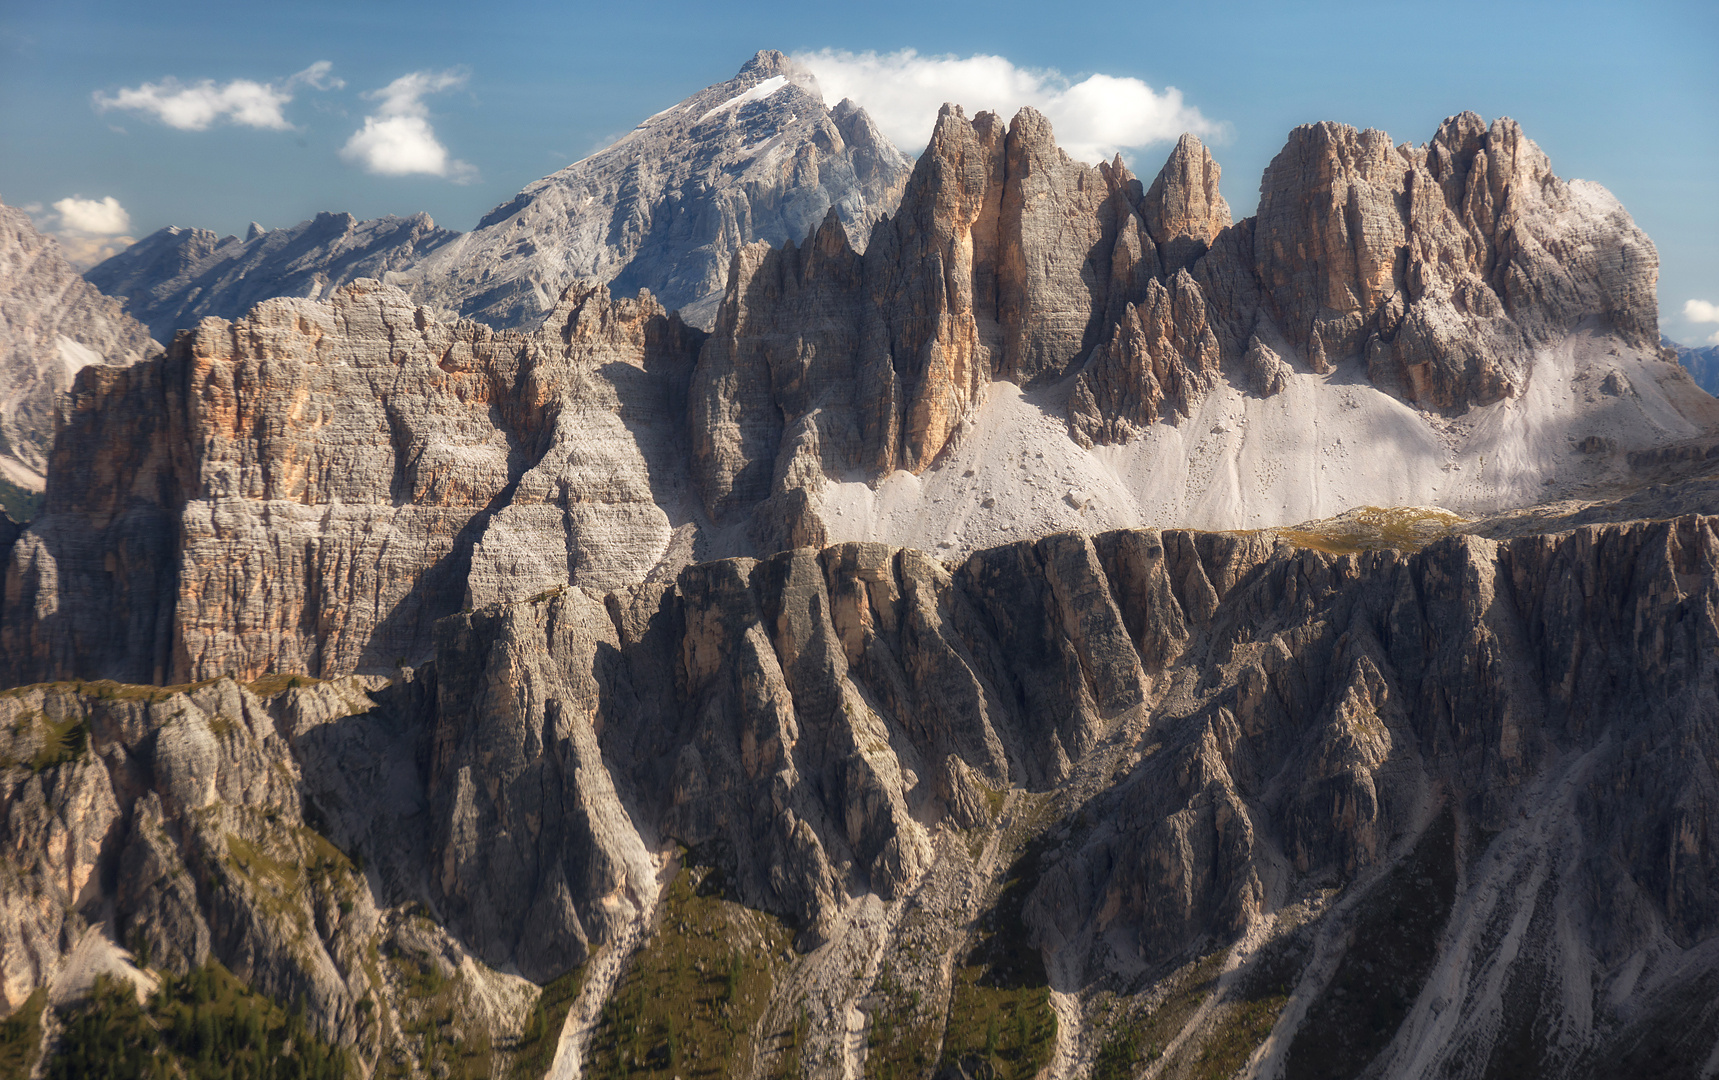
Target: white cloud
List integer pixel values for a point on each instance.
(104, 216)
(194, 106)
(1094, 118)
(88, 229)
(397, 139)
(1700, 311)
(84, 252)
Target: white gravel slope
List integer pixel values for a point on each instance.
(1326, 444)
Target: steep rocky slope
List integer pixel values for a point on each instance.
(1197, 803)
(1490, 324)
(310, 488)
(757, 158)
(1029, 345)
(52, 324)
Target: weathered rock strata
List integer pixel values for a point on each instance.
(310, 488)
(1227, 739)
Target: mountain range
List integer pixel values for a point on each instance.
(1702, 363)
(1002, 619)
(757, 158)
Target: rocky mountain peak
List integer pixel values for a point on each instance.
(766, 63)
(1183, 210)
(757, 157)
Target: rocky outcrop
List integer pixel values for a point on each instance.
(998, 264)
(1183, 210)
(52, 325)
(174, 278)
(310, 488)
(1160, 359)
(1210, 739)
(178, 817)
(760, 157)
(1444, 265)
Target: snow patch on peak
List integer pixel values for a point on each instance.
(75, 356)
(757, 93)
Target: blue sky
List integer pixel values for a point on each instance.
(1624, 95)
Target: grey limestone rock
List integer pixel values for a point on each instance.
(52, 325)
(310, 488)
(1215, 738)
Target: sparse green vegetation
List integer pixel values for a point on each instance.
(903, 1040)
(270, 685)
(536, 1048)
(62, 741)
(205, 1026)
(435, 1024)
(999, 1008)
(1392, 950)
(21, 1035)
(1374, 528)
(1137, 1040)
(20, 504)
(1241, 1027)
(689, 999)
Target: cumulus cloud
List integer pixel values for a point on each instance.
(89, 230)
(1094, 118)
(103, 216)
(195, 106)
(1700, 311)
(1703, 311)
(397, 139)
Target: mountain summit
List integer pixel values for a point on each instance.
(759, 157)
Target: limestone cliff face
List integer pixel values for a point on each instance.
(1444, 265)
(1210, 744)
(310, 488)
(998, 264)
(52, 325)
(1230, 725)
(178, 816)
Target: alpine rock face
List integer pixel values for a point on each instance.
(757, 158)
(934, 668)
(52, 325)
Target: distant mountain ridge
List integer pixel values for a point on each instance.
(52, 324)
(173, 277)
(1702, 363)
(759, 157)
